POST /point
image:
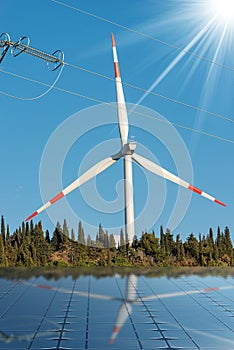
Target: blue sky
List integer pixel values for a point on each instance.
(27, 125)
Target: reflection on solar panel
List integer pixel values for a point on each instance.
(116, 312)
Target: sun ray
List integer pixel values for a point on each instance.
(217, 51)
(178, 58)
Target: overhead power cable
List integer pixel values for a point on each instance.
(184, 104)
(112, 105)
(57, 60)
(191, 53)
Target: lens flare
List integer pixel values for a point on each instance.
(224, 9)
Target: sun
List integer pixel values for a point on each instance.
(223, 9)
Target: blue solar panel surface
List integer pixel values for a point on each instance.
(118, 312)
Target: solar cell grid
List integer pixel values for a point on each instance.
(117, 313)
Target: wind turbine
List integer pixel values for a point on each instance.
(127, 152)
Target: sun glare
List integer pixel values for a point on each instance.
(223, 9)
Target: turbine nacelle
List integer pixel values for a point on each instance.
(127, 150)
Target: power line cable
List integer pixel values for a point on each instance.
(21, 47)
(50, 87)
(112, 105)
(184, 104)
(193, 54)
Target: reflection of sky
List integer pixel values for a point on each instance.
(189, 312)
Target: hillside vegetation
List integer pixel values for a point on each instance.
(30, 246)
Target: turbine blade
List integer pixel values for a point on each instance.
(126, 308)
(158, 170)
(124, 312)
(122, 110)
(88, 175)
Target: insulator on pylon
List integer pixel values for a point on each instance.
(4, 45)
(59, 56)
(54, 60)
(20, 46)
(4, 39)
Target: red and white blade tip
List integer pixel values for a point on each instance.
(32, 216)
(198, 191)
(114, 334)
(113, 40)
(45, 206)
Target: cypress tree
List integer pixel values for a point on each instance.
(65, 229)
(122, 240)
(112, 243)
(2, 255)
(89, 241)
(81, 236)
(101, 236)
(3, 231)
(228, 244)
(72, 234)
(47, 237)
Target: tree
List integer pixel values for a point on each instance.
(218, 244)
(81, 236)
(65, 228)
(112, 242)
(169, 242)
(211, 245)
(2, 255)
(162, 241)
(192, 247)
(3, 231)
(58, 238)
(228, 244)
(100, 237)
(47, 237)
(106, 240)
(72, 234)
(149, 243)
(89, 241)
(122, 240)
(179, 250)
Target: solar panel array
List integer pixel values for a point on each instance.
(189, 312)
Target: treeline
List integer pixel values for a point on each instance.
(31, 246)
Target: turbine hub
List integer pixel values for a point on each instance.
(128, 148)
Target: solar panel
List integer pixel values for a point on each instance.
(128, 312)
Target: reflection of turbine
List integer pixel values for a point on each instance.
(130, 298)
(126, 308)
(9, 338)
(126, 152)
